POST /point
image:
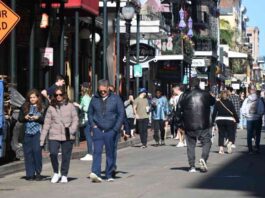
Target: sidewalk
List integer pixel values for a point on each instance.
(78, 152)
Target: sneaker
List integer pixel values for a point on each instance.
(64, 179)
(180, 144)
(203, 165)
(233, 146)
(94, 178)
(55, 178)
(163, 143)
(110, 180)
(229, 148)
(87, 157)
(144, 146)
(192, 170)
(38, 177)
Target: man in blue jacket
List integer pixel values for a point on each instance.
(106, 115)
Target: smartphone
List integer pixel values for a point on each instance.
(30, 114)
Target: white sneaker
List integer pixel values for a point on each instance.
(233, 146)
(55, 178)
(64, 179)
(192, 170)
(203, 165)
(229, 147)
(180, 144)
(110, 180)
(94, 178)
(87, 157)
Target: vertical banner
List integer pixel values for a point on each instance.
(1, 104)
(1, 116)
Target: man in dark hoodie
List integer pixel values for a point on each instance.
(106, 115)
(193, 114)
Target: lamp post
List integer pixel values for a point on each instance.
(128, 13)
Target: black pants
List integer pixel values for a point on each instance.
(159, 125)
(191, 138)
(226, 129)
(66, 147)
(142, 125)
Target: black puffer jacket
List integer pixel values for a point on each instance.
(193, 110)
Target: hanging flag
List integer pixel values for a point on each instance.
(1, 104)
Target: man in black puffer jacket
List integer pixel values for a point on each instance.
(193, 115)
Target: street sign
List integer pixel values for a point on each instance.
(138, 70)
(8, 20)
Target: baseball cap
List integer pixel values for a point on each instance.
(142, 90)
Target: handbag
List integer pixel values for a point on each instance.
(234, 120)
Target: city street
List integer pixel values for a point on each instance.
(155, 172)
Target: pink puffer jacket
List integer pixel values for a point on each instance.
(56, 119)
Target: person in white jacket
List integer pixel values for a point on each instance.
(253, 110)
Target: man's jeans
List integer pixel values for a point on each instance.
(142, 129)
(159, 125)
(253, 130)
(191, 138)
(100, 139)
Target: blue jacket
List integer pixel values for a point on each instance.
(106, 115)
(160, 108)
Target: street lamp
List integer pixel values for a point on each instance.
(128, 13)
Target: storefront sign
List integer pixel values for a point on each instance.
(198, 63)
(46, 56)
(146, 53)
(8, 20)
(138, 71)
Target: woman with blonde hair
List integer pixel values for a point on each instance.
(225, 116)
(86, 94)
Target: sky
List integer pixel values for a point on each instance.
(256, 15)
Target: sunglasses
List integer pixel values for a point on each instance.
(58, 95)
(102, 91)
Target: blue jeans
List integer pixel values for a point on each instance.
(89, 141)
(253, 130)
(115, 148)
(100, 139)
(32, 154)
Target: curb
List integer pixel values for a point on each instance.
(19, 166)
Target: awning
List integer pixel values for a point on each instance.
(90, 6)
(232, 54)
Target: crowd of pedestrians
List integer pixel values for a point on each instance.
(191, 112)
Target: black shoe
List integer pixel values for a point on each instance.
(30, 178)
(38, 177)
(113, 174)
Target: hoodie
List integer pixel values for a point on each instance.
(253, 107)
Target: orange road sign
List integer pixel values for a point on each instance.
(8, 20)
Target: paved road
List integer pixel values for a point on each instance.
(155, 172)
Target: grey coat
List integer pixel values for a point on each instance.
(56, 120)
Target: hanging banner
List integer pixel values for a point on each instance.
(1, 104)
(1, 116)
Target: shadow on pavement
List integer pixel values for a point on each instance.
(244, 173)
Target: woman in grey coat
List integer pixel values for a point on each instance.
(60, 124)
